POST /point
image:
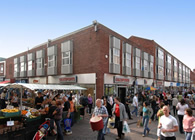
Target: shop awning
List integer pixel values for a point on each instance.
(45, 87)
(4, 82)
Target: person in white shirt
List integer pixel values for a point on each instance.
(174, 103)
(135, 104)
(181, 107)
(168, 125)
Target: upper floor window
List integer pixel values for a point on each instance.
(184, 69)
(145, 65)
(39, 63)
(51, 61)
(15, 67)
(22, 66)
(137, 62)
(127, 60)
(1, 69)
(180, 66)
(116, 56)
(169, 59)
(168, 72)
(29, 65)
(175, 62)
(66, 58)
(160, 70)
(160, 54)
(175, 75)
(151, 66)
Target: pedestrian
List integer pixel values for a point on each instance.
(52, 108)
(174, 103)
(168, 125)
(188, 122)
(181, 107)
(135, 104)
(109, 109)
(145, 118)
(127, 104)
(159, 114)
(71, 110)
(100, 111)
(39, 100)
(153, 105)
(58, 117)
(14, 100)
(120, 116)
(90, 103)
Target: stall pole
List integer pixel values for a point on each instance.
(20, 108)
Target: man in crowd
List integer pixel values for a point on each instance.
(135, 104)
(100, 111)
(168, 125)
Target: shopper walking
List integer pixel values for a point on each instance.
(188, 122)
(145, 118)
(135, 104)
(181, 107)
(120, 115)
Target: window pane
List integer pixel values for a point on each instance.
(151, 66)
(145, 65)
(137, 63)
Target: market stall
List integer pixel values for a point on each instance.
(24, 116)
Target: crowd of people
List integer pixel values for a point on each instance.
(62, 106)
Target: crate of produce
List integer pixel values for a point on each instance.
(11, 114)
(33, 119)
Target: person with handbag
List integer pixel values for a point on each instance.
(120, 115)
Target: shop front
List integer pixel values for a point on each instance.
(38, 80)
(119, 86)
(87, 81)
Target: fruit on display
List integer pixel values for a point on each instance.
(10, 110)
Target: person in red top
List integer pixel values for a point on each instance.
(120, 113)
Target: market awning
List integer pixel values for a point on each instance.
(45, 87)
(4, 82)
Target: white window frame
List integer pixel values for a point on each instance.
(51, 61)
(160, 70)
(66, 57)
(116, 56)
(160, 54)
(39, 62)
(30, 63)
(1, 69)
(137, 62)
(22, 66)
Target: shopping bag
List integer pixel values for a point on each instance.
(111, 123)
(126, 128)
(67, 124)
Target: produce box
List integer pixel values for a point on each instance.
(33, 119)
(12, 114)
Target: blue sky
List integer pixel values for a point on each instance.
(171, 23)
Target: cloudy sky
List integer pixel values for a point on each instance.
(171, 23)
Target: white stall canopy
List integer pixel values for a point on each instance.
(44, 87)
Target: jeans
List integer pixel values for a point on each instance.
(90, 107)
(72, 118)
(145, 123)
(105, 126)
(100, 135)
(180, 117)
(188, 135)
(60, 135)
(135, 110)
(174, 110)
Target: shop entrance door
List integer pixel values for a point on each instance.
(122, 94)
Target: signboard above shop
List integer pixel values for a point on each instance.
(119, 79)
(72, 79)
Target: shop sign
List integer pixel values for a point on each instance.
(159, 83)
(35, 81)
(178, 84)
(121, 80)
(72, 79)
(171, 84)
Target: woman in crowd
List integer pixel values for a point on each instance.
(159, 114)
(145, 118)
(90, 103)
(181, 107)
(121, 115)
(174, 103)
(109, 109)
(58, 117)
(15, 100)
(188, 122)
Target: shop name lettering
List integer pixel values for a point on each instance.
(121, 80)
(68, 79)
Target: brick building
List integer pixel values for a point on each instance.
(2, 70)
(99, 59)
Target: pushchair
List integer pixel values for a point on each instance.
(43, 130)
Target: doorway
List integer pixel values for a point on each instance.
(122, 94)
